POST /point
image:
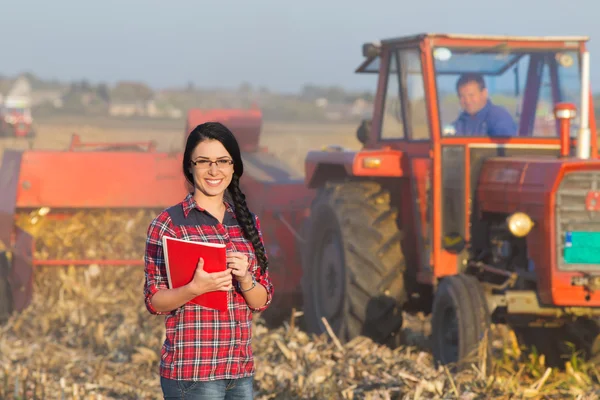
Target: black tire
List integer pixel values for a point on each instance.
(459, 322)
(6, 307)
(353, 269)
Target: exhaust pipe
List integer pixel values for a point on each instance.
(583, 138)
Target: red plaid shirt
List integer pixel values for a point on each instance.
(201, 343)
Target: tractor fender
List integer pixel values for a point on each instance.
(334, 163)
(10, 170)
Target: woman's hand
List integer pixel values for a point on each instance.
(204, 282)
(238, 264)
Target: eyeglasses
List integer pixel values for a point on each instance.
(206, 164)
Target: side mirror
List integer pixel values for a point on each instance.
(363, 131)
(372, 49)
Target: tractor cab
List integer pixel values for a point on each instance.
(447, 103)
(523, 78)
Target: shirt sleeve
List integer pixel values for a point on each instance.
(155, 269)
(261, 278)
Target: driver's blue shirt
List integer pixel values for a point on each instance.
(492, 120)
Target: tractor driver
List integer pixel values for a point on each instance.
(480, 116)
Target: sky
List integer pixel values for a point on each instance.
(278, 44)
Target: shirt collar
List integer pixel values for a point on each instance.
(479, 113)
(189, 203)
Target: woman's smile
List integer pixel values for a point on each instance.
(212, 182)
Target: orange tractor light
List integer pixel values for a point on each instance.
(371, 162)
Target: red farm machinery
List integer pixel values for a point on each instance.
(131, 178)
(440, 212)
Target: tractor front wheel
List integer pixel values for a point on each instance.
(459, 322)
(353, 269)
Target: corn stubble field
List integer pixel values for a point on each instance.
(87, 334)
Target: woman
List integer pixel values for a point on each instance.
(207, 354)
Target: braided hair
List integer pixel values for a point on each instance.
(218, 131)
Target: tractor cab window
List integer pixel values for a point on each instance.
(504, 93)
(392, 124)
(405, 109)
(412, 84)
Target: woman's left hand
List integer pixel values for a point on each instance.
(238, 262)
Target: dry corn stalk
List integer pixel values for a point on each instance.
(87, 325)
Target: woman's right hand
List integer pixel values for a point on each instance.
(204, 282)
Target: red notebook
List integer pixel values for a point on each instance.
(181, 259)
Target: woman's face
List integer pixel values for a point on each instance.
(214, 168)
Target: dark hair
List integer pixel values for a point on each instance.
(470, 77)
(218, 131)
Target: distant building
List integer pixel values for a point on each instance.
(18, 94)
(21, 88)
(321, 102)
(117, 109)
(53, 97)
(361, 108)
(143, 109)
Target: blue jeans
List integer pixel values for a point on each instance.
(225, 389)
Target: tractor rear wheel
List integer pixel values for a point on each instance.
(459, 321)
(353, 269)
(5, 290)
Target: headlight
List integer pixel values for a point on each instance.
(519, 224)
(371, 162)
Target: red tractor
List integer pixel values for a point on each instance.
(476, 217)
(15, 119)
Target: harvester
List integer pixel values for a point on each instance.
(121, 186)
(470, 227)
